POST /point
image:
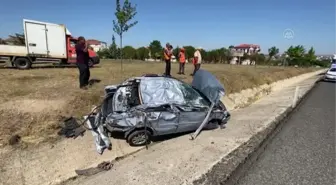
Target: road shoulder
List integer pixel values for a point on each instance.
(213, 155)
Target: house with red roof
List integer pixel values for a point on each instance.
(238, 51)
(96, 44)
(247, 48)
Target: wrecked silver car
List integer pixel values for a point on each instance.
(153, 105)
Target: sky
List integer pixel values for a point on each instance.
(208, 24)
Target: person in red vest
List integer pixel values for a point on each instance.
(167, 53)
(182, 61)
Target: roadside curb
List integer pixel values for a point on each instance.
(247, 96)
(228, 169)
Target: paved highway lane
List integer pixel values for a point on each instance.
(303, 152)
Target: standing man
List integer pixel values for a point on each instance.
(167, 53)
(197, 60)
(182, 61)
(83, 62)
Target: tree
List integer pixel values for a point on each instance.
(129, 52)
(296, 55)
(189, 51)
(2, 41)
(155, 49)
(204, 55)
(103, 53)
(273, 51)
(113, 49)
(142, 53)
(223, 57)
(258, 58)
(296, 52)
(124, 15)
(213, 56)
(176, 51)
(311, 54)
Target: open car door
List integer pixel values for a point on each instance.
(207, 84)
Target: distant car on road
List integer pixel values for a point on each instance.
(330, 75)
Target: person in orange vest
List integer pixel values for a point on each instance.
(182, 61)
(167, 53)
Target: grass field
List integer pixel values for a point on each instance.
(33, 102)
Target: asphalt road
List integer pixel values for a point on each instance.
(303, 152)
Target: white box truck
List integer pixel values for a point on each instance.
(44, 43)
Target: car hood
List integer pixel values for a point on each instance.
(208, 84)
(331, 73)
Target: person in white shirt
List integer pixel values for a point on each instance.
(197, 60)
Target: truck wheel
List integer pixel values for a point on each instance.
(22, 63)
(139, 138)
(91, 63)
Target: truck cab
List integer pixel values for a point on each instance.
(71, 52)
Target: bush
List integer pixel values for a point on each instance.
(305, 63)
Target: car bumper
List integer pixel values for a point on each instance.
(95, 60)
(329, 78)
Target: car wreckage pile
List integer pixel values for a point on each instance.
(153, 105)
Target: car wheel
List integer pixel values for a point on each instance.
(22, 63)
(139, 138)
(213, 124)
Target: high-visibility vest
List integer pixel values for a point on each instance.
(166, 56)
(182, 57)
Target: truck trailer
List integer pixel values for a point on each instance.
(44, 43)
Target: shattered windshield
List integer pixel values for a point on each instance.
(192, 97)
(161, 90)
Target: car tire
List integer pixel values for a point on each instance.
(139, 138)
(213, 124)
(22, 63)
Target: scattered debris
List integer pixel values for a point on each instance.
(94, 81)
(13, 140)
(71, 128)
(104, 166)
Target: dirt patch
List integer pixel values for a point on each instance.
(34, 105)
(29, 120)
(34, 101)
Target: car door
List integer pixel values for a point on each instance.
(167, 123)
(164, 120)
(191, 119)
(193, 112)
